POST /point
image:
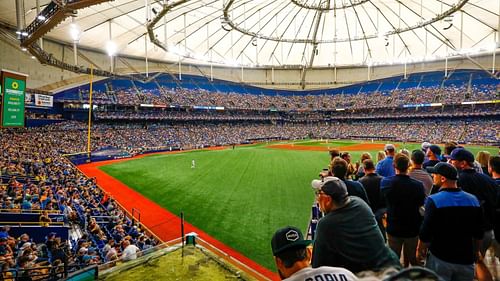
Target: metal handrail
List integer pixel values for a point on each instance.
(30, 211)
(31, 223)
(135, 210)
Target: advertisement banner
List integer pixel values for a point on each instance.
(43, 100)
(14, 86)
(29, 99)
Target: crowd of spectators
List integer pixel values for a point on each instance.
(134, 137)
(251, 115)
(35, 178)
(432, 207)
(361, 100)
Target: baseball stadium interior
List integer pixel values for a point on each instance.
(90, 86)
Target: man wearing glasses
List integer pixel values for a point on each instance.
(348, 235)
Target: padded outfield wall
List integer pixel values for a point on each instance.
(49, 78)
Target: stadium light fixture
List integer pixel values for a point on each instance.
(74, 32)
(491, 47)
(111, 48)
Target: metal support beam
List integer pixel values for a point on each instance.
(314, 49)
(21, 20)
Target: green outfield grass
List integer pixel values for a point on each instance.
(239, 196)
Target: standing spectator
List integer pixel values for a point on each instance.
(340, 169)
(404, 196)
(351, 170)
(45, 219)
(417, 159)
(448, 148)
(483, 157)
(424, 146)
(480, 185)
(380, 156)
(385, 167)
(333, 153)
(371, 183)
(348, 235)
(494, 170)
(433, 155)
(292, 255)
(451, 229)
(360, 172)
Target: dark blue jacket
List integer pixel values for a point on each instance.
(453, 219)
(485, 190)
(355, 188)
(403, 198)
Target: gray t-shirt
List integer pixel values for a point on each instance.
(322, 273)
(424, 177)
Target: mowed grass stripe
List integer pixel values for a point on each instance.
(239, 196)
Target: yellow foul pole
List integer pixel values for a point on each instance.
(90, 110)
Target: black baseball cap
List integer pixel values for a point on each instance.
(461, 154)
(444, 169)
(435, 149)
(287, 238)
(335, 188)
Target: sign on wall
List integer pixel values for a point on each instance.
(43, 100)
(13, 86)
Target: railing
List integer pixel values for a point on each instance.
(57, 272)
(135, 210)
(30, 211)
(31, 223)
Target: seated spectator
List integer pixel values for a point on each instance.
(113, 253)
(130, 251)
(45, 219)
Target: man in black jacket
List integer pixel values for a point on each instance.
(371, 183)
(452, 227)
(403, 196)
(480, 185)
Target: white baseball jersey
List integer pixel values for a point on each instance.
(323, 273)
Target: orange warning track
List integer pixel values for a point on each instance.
(354, 147)
(160, 221)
